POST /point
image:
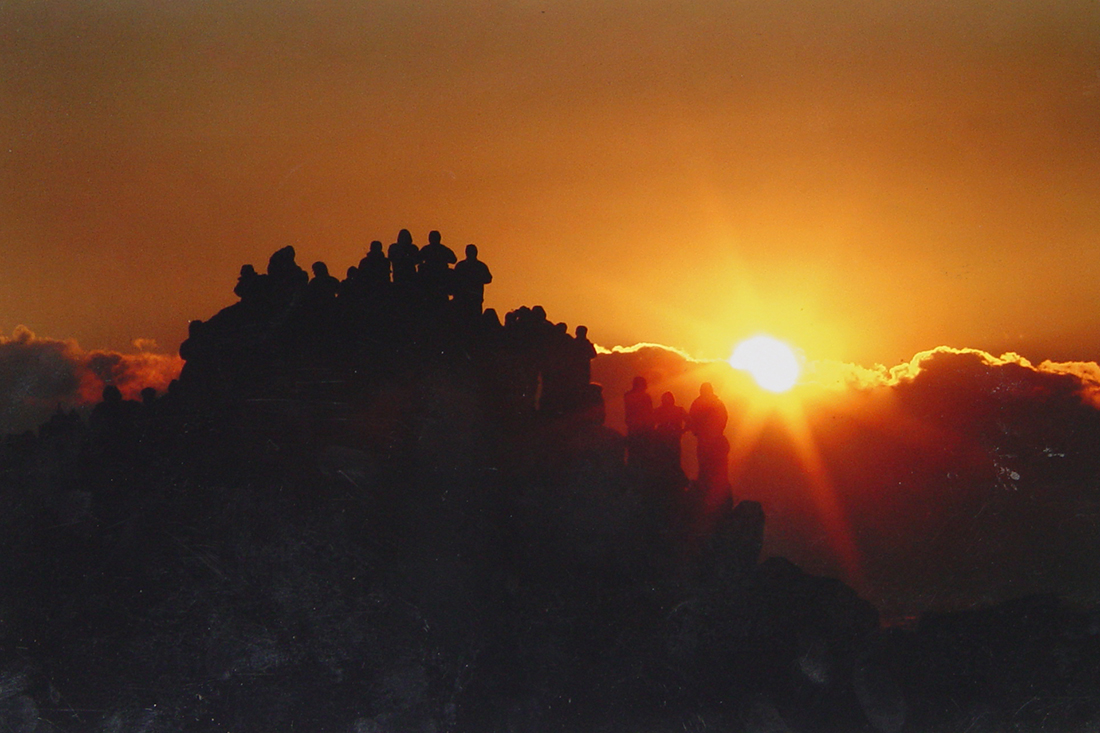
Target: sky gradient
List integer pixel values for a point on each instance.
(866, 180)
(904, 191)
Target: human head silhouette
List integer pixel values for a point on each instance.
(320, 269)
(376, 247)
(640, 384)
(471, 251)
(582, 332)
(433, 237)
(404, 237)
(706, 389)
(667, 399)
(112, 395)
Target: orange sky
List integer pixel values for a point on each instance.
(865, 179)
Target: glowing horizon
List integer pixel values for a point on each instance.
(815, 190)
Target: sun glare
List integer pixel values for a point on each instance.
(772, 363)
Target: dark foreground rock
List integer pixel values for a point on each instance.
(361, 516)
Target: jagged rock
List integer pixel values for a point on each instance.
(880, 696)
(18, 714)
(340, 463)
(737, 538)
(760, 716)
(365, 513)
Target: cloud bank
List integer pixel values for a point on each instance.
(962, 476)
(37, 374)
(845, 375)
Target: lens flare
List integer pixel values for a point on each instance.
(772, 363)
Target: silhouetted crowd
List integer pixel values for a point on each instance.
(408, 298)
(654, 434)
(430, 304)
(370, 505)
(402, 313)
(424, 277)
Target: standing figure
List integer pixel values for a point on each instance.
(285, 278)
(248, 284)
(581, 356)
(374, 268)
(670, 421)
(404, 257)
(434, 270)
(471, 275)
(707, 419)
(323, 287)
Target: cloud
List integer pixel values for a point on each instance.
(37, 374)
(645, 346)
(1081, 378)
(666, 369)
(963, 477)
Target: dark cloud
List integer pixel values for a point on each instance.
(962, 477)
(665, 369)
(38, 374)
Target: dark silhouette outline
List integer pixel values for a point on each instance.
(421, 522)
(471, 275)
(707, 418)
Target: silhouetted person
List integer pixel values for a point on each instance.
(708, 418)
(374, 268)
(283, 268)
(638, 409)
(434, 269)
(317, 325)
(470, 277)
(285, 279)
(708, 414)
(556, 387)
(581, 355)
(404, 257)
(248, 284)
(670, 421)
(490, 321)
(520, 360)
(196, 346)
(323, 287)
(538, 335)
(566, 368)
(351, 287)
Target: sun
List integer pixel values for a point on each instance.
(772, 363)
(775, 367)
